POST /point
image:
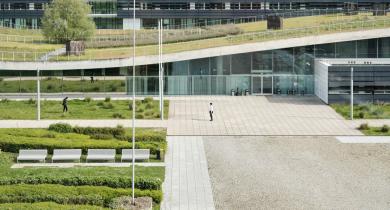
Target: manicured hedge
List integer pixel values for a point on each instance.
(82, 195)
(14, 144)
(143, 183)
(47, 206)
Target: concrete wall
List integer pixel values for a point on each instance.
(321, 80)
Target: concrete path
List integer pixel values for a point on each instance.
(82, 123)
(363, 139)
(256, 115)
(187, 183)
(71, 165)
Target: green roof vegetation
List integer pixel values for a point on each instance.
(107, 44)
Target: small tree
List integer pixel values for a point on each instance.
(67, 20)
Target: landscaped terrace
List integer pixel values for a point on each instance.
(117, 43)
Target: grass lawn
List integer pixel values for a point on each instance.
(47, 206)
(363, 111)
(54, 85)
(81, 109)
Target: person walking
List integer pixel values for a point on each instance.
(65, 104)
(211, 111)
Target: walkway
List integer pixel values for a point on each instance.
(255, 115)
(187, 183)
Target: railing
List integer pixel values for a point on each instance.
(142, 36)
(98, 54)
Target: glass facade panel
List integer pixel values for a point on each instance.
(325, 50)
(304, 60)
(346, 49)
(241, 63)
(283, 61)
(220, 65)
(199, 66)
(367, 48)
(384, 48)
(262, 60)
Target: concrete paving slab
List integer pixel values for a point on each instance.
(187, 183)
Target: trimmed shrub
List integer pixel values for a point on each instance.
(107, 99)
(140, 109)
(385, 129)
(31, 101)
(101, 136)
(96, 89)
(123, 83)
(147, 100)
(130, 106)
(361, 115)
(108, 105)
(149, 113)
(144, 183)
(47, 206)
(61, 128)
(364, 126)
(87, 99)
(117, 131)
(149, 106)
(139, 116)
(4, 100)
(118, 115)
(91, 195)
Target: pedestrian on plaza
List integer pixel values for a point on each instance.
(211, 111)
(65, 104)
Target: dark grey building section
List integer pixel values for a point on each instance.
(371, 83)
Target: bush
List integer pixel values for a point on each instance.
(91, 195)
(101, 136)
(87, 99)
(113, 88)
(140, 109)
(118, 131)
(4, 100)
(364, 126)
(50, 86)
(147, 100)
(61, 128)
(385, 129)
(130, 106)
(139, 116)
(149, 113)
(144, 183)
(108, 105)
(149, 106)
(96, 89)
(31, 101)
(118, 115)
(107, 99)
(361, 115)
(123, 83)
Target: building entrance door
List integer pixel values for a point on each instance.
(262, 84)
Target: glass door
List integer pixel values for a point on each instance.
(262, 84)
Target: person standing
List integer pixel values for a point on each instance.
(211, 111)
(65, 104)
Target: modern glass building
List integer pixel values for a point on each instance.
(116, 14)
(289, 71)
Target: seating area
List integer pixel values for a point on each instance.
(75, 155)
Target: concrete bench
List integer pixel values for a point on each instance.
(32, 155)
(101, 154)
(66, 154)
(140, 154)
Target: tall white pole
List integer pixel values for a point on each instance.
(159, 64)
(351, 93)
(133, 137)
(162, 71)
(38, 95)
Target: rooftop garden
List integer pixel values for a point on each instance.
(107, 44)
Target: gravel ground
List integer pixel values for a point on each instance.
(297, 173)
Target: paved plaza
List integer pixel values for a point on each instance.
(297, 173)
(255, 115)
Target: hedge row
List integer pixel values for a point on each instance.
(81, 195)
(106, 133)
(14, 144)
(144, 183)
(47, 206)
